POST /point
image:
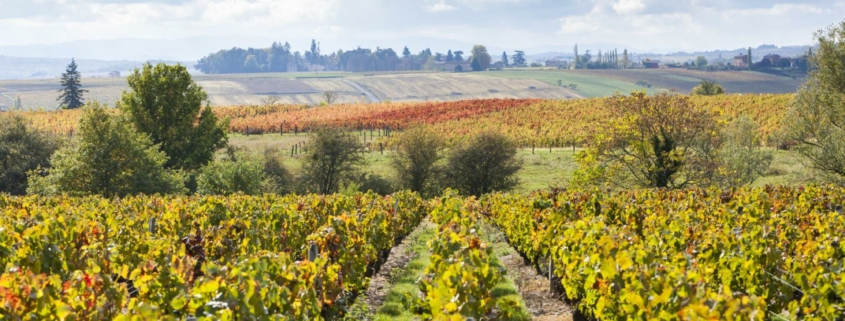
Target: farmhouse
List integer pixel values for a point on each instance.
(456, 66)
(651, 64)
(773, 59)
(741, 61)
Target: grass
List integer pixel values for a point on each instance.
(540, 170)
(588, 85)
(404, 282)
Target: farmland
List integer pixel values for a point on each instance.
(307, 88)
(733, 253)
(683, 80)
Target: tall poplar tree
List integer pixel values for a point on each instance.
(72, 91)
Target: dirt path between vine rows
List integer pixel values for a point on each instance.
(533, 287)
(399, 257)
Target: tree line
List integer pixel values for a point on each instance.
(281, 58)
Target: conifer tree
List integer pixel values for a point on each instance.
(72, 91)
(505, 59)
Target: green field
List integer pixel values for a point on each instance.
(588, 85)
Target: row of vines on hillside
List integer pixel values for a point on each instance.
(530, 122)
(749, 254)
(228, 258)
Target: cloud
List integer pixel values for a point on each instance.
(628, 6)
(441, 6)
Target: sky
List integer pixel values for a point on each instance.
(647, 25)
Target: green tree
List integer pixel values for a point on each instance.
(333, 156)
(742, 160)
(475, 64)
(661, 141)
(487, 163)
(707, 88)
(625, 63)
(505, 59)
(480, 54)
(576, 65)
(71, 97)
(450, 56)
(165, 103)
(22, 149)
(415, 161)
(816, 120)
(251, 64)
(519, 58)
(277, 178)
(111, 158)
(459, 55)
(700, 62)
(18, 103)
(406, 52)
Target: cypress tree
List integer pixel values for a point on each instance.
(72, 91)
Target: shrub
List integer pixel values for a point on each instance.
(111, 159)
(708, 88)
(277, 178)
(333, 156)
(742, 161)
(415, 161)
(488, 163)
(22, 149)
(236, 173)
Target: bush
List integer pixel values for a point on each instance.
(488, 163)
(277, 178)
(742, 161)
(236, 173)
(333, 156)
(375, 183)
(415, 161)
(22, 149)
(111, 159)
(708, 88)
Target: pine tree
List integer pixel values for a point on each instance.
(18, 103)
(505, 59)
(450, 56)
(406, 52)
(72, 91)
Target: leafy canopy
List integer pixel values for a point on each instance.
(110, 159)
(165, 103)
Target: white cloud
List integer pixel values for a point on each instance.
(628, 6)
(441, 6)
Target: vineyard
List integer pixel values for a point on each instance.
(530, 122)
(227, 258)
(771, 253)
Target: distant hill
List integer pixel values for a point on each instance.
(38, 68)
(724, 55)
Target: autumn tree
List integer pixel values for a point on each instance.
(23, 148)
(72, 92)
(661, 141)
(816, 120)
(165, 103)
